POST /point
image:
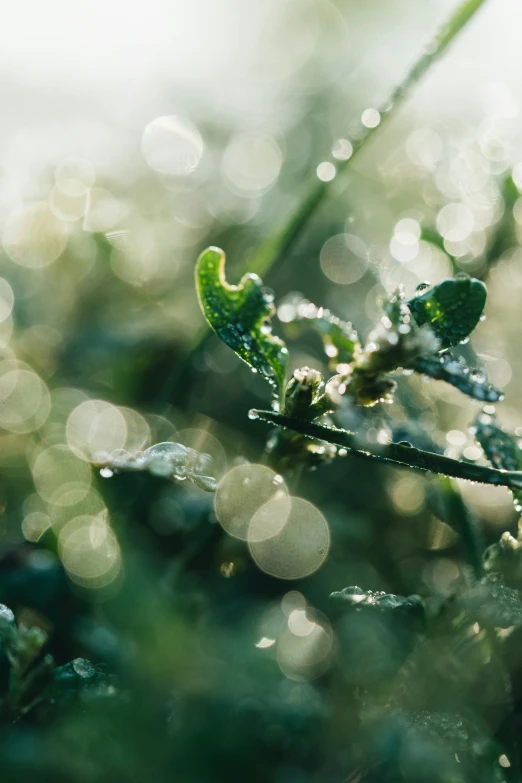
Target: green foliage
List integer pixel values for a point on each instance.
(491, 603)
(500, 448)
(34, 682)
(409, 335)
(153, 640)
(455, 371)
(340, 340)
(410, 609)
(240, 316)
(452, 309)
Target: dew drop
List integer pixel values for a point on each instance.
(83, 668)
(7, 619)
(106, 473)
(370, 118)
(227, 569)
(175, 452)
(342, 149)
(253, 414)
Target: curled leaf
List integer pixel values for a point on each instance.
(340, 340)
(452, 309)
(454, 371)
(240, 316)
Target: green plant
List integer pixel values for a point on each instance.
(260, 622)
(413, 336)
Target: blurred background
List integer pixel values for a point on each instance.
(134, 135)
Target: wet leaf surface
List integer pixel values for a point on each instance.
(240, 316)
(452, 309)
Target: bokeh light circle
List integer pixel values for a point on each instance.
(344, 258)
(66, 207)
(74, 177)
(89, 551)
(242, 492)
(34, 525)
(204, 442)
(60, 477)
(24, 398)
(296, 550)
(172, 145)
(304, 647)
(33, 236)
(95, 426)
(252, 162)
(103, 211)
(6, 300)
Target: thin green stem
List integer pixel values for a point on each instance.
(396, 453)
(278, 246)
(458, 517)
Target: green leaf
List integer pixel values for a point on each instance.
(454, 371)
(490, 603)
(358, 599)
(340, 339)
(500, 448)
(452, 309)
(240, 316)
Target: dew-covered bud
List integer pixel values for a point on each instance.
(302, 391)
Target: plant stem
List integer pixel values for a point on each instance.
(460, 519)
(396, 453)
(276, 247)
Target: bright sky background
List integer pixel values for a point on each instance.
(84, 78)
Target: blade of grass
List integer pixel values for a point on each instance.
(459, 517)
(278, 245)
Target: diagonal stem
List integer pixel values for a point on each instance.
(396, 453)
(276, 247)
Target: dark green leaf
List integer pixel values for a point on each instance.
(356, 598)
(501, 448)
(240, 316)
(454, 371)
(452, 309)
(490, 603)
